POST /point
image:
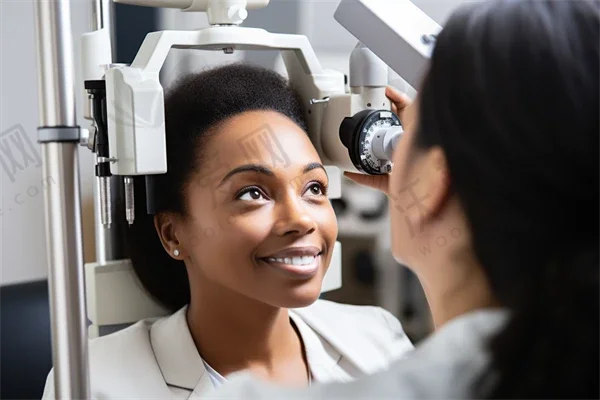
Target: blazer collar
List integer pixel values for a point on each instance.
(176, 352)
(322, 357)
(353, 347)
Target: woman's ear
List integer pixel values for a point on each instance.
(437, 182)
(166, 224)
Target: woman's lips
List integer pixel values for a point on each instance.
(303, 267)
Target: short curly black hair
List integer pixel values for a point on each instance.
(194, 107)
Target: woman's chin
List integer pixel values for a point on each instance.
(300, 297)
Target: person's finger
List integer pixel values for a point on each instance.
(378, 182)
(399, 99)
(402, 106)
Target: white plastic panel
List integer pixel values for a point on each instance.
(333, 277)
(115, 296)
(136, 126)
(335, 182)
(393, 30)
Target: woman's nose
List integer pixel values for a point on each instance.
(293, 219)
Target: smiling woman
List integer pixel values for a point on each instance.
(245, 296)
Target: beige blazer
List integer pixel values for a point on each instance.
(159, 360)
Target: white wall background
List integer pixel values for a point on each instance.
(22, 233)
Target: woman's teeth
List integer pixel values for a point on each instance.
(306, 260)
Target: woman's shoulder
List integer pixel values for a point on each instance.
(116, 359)
(377, 317)
(369, 327)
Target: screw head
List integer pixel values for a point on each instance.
(428, 38)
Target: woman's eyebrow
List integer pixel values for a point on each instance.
(265, 170)
(247, 168)
(315, 165)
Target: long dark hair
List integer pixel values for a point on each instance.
(194, 106)
(512, 98)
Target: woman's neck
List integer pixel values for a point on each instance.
(454, 288)
(233, 332)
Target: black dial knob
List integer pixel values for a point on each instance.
(357, 134)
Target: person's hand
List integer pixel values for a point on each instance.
(400, 106)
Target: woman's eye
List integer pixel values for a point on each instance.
(250, 195)
(316, 189)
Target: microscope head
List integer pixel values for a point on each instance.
(390, 33)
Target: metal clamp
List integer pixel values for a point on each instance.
(88, 138)
(59, 134)
(319, 101)
(106, 159)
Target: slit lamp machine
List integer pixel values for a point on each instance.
(352, 129)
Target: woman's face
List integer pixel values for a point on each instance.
(259, 221)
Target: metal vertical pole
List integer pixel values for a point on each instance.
(59, 137)
(102, 14)
(110, 243)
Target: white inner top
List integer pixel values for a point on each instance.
(217, 379)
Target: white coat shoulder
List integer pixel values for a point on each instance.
(371, 334)
(124, 356)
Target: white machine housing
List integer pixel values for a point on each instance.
(394, 30)
(135, 98)
(368, 81)
(220, 12)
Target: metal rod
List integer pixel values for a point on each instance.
(105, 201)
(62, 201)
(109, 240)
(129, 200)
(65, 253)
(110, 243)
(55, 60)
(101, 15)
(100, 232)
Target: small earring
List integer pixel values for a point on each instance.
(176, 252)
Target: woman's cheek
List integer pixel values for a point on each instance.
(244, 231)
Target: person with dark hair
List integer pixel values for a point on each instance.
(494, 205)
(239, 239)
